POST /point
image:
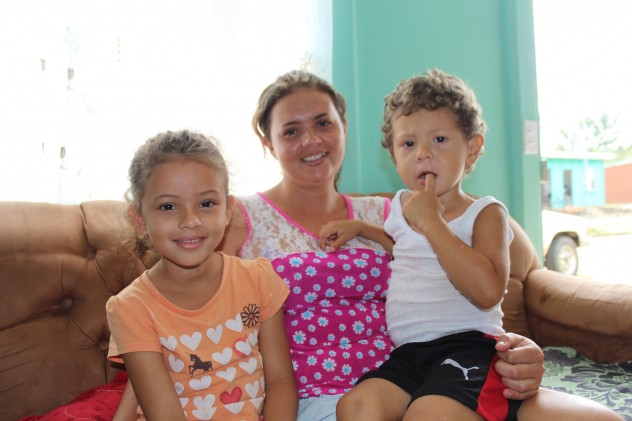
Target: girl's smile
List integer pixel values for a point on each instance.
(190, 244)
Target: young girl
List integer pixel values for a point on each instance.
(450, 267)
(199, 331)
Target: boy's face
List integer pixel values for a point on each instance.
(432, 142)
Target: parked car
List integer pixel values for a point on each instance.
(562, 233)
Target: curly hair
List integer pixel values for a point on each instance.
(430, 91)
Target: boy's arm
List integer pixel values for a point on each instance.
(153, 387)
(481, 271)
(336, 233)
(281, 402)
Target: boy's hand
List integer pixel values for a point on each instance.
(423, 207)
(336, 233)
(520, 365)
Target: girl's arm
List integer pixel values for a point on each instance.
(153, 387)
(336, 233)
(126, 410)
(281, 402)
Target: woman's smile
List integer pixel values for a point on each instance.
(315, 158)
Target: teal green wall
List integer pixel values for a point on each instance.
(488, 43)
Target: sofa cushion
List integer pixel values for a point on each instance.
(60, 264)
(591, 316)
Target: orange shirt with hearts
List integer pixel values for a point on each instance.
(212, 354)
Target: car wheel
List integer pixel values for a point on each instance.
(562, 256)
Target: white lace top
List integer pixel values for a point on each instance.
(272, 234)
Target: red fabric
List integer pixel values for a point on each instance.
(491, 403)
(96, 404)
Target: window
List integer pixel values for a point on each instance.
(86, 82)
(586, 125)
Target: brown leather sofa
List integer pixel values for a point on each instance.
(60, 263)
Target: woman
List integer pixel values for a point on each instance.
(335, 312)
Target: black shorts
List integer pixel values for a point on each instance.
(459, 366)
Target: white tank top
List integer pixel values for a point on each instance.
(422, 304)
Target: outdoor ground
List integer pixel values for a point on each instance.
(608, 256)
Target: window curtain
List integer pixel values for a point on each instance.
(85, 82)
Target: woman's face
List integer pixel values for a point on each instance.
(307, 136)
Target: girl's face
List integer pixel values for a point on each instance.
(432, 142)
(307, 136)
(185, 211)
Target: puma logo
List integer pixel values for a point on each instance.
(453, 363)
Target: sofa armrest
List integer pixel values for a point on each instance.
(591, 316)
(523, 259)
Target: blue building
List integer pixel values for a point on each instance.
(573, 179)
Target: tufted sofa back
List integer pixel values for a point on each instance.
(58, 266)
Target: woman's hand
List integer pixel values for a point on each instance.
(520, 364)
